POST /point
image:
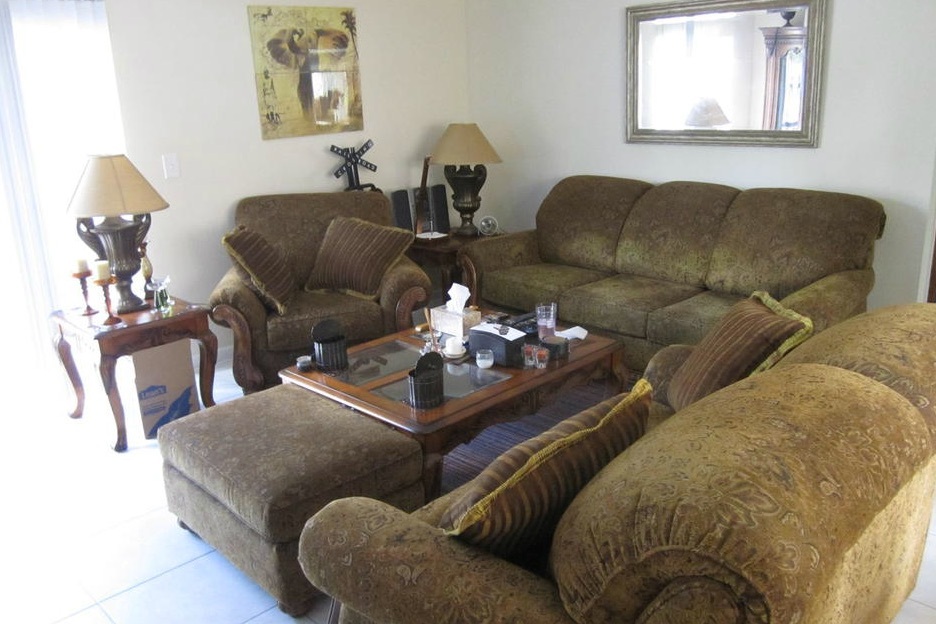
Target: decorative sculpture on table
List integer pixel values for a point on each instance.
(353, 159)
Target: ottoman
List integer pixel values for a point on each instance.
(246, 475)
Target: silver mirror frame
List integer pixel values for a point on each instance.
(807, 136)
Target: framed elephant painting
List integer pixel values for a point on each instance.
(306, 67)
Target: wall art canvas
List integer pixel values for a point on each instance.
(307, 74)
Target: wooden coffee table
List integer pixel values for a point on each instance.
(375, 384)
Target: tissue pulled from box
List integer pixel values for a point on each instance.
(458, 297)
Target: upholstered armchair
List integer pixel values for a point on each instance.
(301, 258)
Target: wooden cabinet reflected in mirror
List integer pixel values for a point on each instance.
(725, 71)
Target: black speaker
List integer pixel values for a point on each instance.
(438, 206)
(402, 213)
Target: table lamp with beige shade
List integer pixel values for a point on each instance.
(459, 147)
(111, 187)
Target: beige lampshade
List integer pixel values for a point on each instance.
(706, 113)
(463, 144)
(111, 186)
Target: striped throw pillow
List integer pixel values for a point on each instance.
(751, 337)
(262, 266)
(513, 506)
(355, 254)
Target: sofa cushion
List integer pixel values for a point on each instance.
(355, 254)
(262, 265)
(521, 287)
(361, 319)
(620, 303)
(687, 322)
(752, 336)
(511, 508)
(781, 240)
(580, 220)
(671, 231)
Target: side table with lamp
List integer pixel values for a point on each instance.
(133, 331)
(113, 191)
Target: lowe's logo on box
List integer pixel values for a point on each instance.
(152, 391)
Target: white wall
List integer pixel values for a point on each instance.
(545, 81)
(186, 85)
(547, 87)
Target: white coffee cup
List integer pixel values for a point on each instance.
(454, 346)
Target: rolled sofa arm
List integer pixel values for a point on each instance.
(404, 287)
(791, 496)
(493, 253)
(391, 567)
(660, 370)
(235, 306)
(833, 298)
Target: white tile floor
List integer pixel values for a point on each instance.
(87, 538)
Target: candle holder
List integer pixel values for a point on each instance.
(82, 276)
(105, 285)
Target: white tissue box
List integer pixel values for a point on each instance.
(454, 323)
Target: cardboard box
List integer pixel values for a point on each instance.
(165, 384)
(454, 323)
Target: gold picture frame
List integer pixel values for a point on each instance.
(306, 69)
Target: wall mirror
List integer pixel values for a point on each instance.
(737, 72)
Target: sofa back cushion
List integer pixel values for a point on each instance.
(671, 231)
(780, 240)
(297, 222)
(892, 345)
(580, 220)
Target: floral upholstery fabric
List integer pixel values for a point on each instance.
(759, 487)
(888, 345)
(658, 265)
(580, 220)
(655, 231)
(802, 494)
(779, 240)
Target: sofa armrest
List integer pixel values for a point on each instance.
(833, 298)
(496, 252)
(235, 306)
(391, 567)
(404, 286)
(660, 370)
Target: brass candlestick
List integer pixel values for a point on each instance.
(82, 276)
(105, 285)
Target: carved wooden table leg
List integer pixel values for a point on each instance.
(208, 348)
(109, 379)
(68, 362)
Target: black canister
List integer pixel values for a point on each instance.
(329, 346)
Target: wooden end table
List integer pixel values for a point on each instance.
(137, 331)
(442, 252)
(376, 379)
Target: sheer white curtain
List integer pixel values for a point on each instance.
(58, 104)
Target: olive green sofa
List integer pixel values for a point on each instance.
(797, 495)
(658, 264)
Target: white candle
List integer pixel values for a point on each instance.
(81, 266)
(102, 270)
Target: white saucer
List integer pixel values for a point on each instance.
(454, 355)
